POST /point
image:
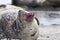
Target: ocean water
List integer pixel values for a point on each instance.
(45, 19)
(54, 18)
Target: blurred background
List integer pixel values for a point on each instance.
(34, 4)
(37, 4)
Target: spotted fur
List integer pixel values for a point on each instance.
(14, 25)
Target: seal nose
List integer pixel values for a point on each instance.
(28, 16)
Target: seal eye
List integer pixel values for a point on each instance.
(37, 20)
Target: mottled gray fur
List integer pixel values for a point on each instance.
(14, 25)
